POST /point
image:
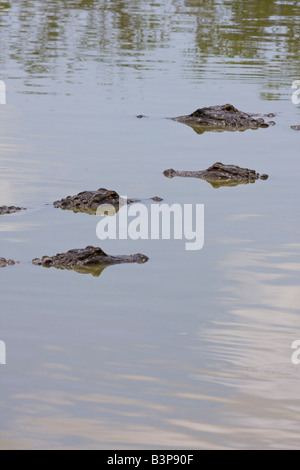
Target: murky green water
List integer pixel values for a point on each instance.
(193, 349)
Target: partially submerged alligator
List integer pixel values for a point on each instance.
(89, 201)
(223, 118)
(89, 260)
(220, 175)
(5, 210)
(4, 262)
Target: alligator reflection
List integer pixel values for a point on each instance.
(95, 271)
(201, 129)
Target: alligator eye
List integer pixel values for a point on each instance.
(229, 108)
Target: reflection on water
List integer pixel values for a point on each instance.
(247, 397)
(44, 36)
(262, 296)
(200, 129)
(102, 434)
(228, 184)
(192, 350)
(95, 271)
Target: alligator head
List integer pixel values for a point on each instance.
(223, 118)
(219, 175)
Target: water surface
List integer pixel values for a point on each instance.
(191, 350)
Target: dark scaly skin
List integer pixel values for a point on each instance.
(89, 260)
(220, 175)
(4, 262)
(5, 210)
(89, 201)
(222, 118)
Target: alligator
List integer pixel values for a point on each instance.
(4, 262)
(296, 128)
(89, 260)
(223, 118)
(89, 201)
(4, 210)
(220, 175)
